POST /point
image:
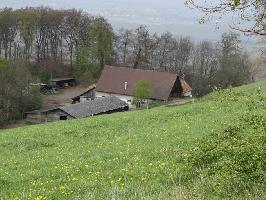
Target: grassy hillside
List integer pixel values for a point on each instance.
(168, 152)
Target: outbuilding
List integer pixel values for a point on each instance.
(88, 94)
(84, 109)
(63, 82)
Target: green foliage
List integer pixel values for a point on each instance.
(233, 161)
(196, 151)
(3, 64)
(85, 71)
(143, 90)
(95, 51)
(16, 94)
(43, 75)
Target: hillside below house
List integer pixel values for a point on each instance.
(121, 82)
(169, 152)
(84, 109)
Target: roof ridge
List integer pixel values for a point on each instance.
(138, 69)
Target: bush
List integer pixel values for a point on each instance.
(232, 162)
(17, 95)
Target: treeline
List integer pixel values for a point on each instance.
(205, 64)
(72, 42)
(44, 35)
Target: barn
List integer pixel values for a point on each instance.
(84, 109)
(47, 115)
(121, 82)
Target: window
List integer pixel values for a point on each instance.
(63, 117)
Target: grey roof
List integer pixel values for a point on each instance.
(94, 107)
(62, 79)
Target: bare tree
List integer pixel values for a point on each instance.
(248, 15)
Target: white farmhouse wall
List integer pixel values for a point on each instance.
(125, 98)
(187, 94)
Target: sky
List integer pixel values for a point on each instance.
(159, 15)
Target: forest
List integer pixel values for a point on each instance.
(37, 44)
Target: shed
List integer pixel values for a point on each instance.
(98, 106)
(88, 94)
(63, 82)
(47, 115)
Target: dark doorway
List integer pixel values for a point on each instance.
(63, 117)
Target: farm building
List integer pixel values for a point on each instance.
(88, 94)
(63, 82)
(84, 109)
(121, 82)
(47, 115)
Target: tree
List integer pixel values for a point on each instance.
(16, 94)
(204, 65)
(72, 28)
(28, 20)
(95, 50)
(248, 15)
(8, 30)
(234, 67)
(164, 48)
(102, 37)
(142, 47)
(124, 45)
(142, 92)
(182, 54)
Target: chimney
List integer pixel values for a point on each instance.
(125, 85)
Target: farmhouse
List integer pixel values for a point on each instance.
(121, 82)
(98, 106)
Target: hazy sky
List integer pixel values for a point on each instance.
(159, 15)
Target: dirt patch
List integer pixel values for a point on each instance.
(16, 124)
(63, 97)
(177, 102)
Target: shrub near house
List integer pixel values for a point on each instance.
(143, 92)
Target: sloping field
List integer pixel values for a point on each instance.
(147, 154)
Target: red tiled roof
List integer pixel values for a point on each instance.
(185, 86)
(113, 80)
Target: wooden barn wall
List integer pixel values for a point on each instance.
(50, 116)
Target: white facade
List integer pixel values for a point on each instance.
(187, 94)
(125, 98)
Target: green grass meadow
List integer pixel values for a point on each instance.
(146, 154)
